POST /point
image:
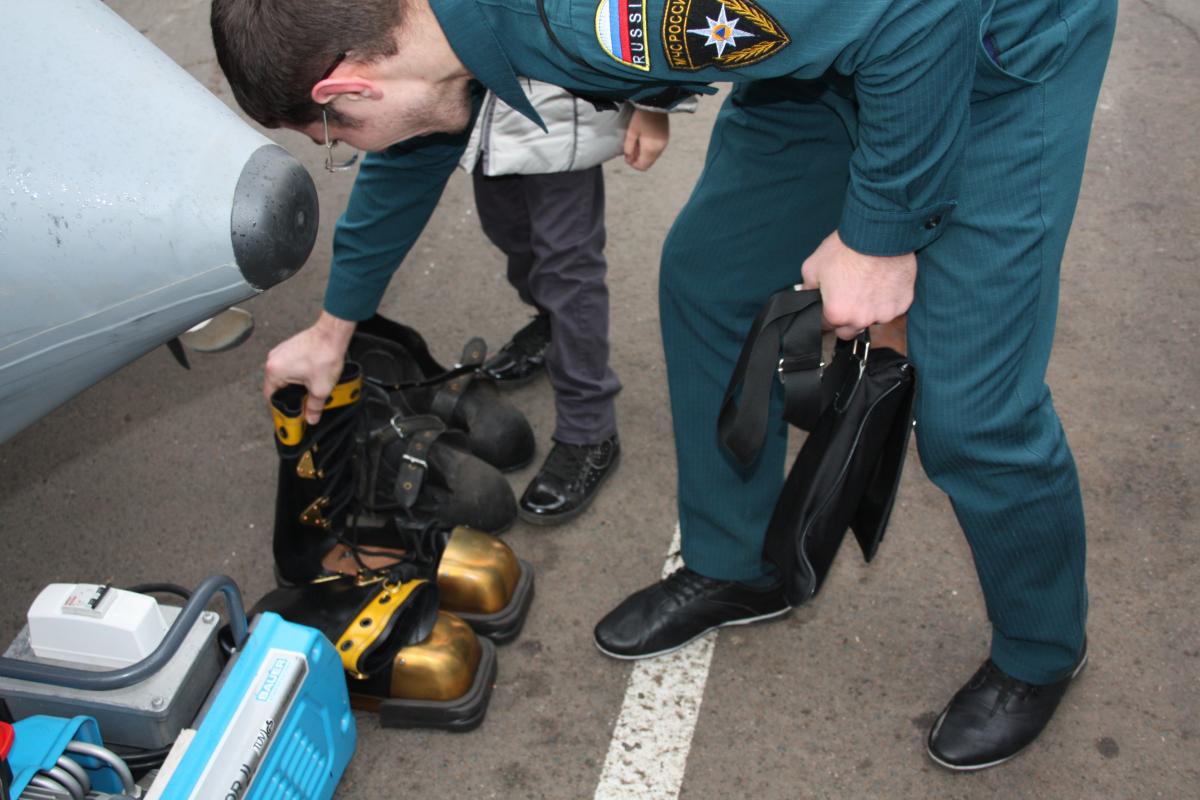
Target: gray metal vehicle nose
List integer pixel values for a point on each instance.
(274, 218)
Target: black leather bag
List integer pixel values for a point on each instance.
(858, 412)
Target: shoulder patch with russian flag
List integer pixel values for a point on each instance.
(621, 31)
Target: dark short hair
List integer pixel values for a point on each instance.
(274, 51)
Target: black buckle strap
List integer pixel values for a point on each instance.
(784, 340)
(447, 398)
(417, 433)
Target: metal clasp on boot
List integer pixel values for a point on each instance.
(369, 577)
(420, 462)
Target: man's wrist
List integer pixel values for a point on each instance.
(874, 232)
(335, 329)
(903, 255)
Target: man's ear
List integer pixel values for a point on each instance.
(353, 88)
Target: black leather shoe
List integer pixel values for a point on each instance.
(682, 607)
(994, 717)
(524, 357)
(568, 481)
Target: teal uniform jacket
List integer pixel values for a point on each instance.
(908, 64)
(953, 128)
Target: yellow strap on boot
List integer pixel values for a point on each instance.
(290, 430)
(370, 622)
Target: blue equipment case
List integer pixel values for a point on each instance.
(278, 725)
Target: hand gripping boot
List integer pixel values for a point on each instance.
(395, 356)
(412, 664)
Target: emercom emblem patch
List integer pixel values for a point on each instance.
(621, 31)
(725, 34)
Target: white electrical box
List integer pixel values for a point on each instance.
(94, 625)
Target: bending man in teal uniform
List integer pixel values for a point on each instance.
(923, 153)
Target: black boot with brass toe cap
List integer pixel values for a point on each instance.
(443, 682)
(326, 470)
(479, 578)
(322, 531)
(396, 356)
(414, 665)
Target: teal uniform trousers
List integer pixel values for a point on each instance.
(953, 128)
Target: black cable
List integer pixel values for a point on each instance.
(141, 761)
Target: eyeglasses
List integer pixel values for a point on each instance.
(330, 164)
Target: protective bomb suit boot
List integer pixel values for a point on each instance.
(321, 533)
(322, 466)
(395, 356)
(479, 578)
(414, 467)
(414, 665)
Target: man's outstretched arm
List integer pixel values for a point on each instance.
(394, 195)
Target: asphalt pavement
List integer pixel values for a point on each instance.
(163, 474)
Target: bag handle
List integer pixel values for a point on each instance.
(784, 340)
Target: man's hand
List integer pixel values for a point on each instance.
(646, 138)
(857, 290)
(314, 358)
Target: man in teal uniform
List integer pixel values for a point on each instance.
(893, 153)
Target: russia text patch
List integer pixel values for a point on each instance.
(621, 31)
(725, 34)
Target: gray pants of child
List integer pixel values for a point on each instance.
(551, 228)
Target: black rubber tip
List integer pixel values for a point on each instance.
(275, 215)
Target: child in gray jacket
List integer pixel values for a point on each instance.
(540, 198)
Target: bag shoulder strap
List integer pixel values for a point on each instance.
(784, 340)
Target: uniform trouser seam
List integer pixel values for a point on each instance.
(1077, 578)
(1041, 254)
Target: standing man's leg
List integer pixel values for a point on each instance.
(771, 190)
(980, 333)
(560, 268)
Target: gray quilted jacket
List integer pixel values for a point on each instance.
(506, 143)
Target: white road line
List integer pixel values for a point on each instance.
(649, 749)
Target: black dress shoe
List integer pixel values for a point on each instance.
(524, 357)
(682, 607)
(994, 717)
(568, 481)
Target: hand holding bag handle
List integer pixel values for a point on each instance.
(847, 472)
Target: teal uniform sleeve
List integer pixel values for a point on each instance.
(393, 197)
(912, 81)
